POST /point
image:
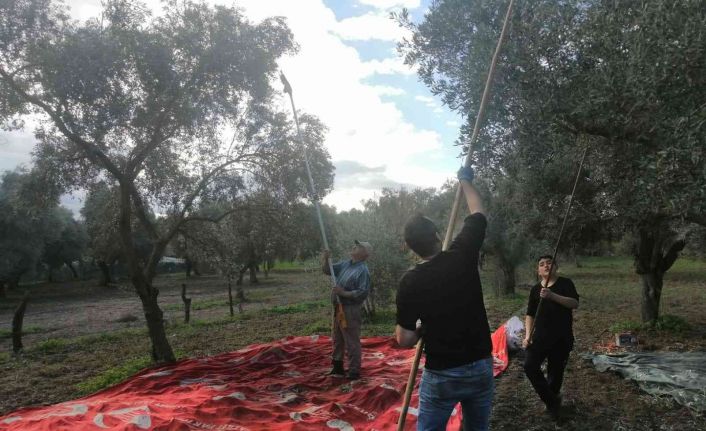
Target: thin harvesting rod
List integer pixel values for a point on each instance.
(561, 233)
(454, 210)
(314, 195)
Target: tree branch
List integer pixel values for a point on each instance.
(699, 219)
(207, 178)
(91, 150)
(142, 154)
(672, 254)
(140, 210)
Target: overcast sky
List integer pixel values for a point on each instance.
(385, 127)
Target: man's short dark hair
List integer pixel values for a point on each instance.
(420, 234)
(545, 256)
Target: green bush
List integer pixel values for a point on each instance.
(671, 323)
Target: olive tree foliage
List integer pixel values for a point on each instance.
(101, 214)
(381, 222)
(68, 247)
(303, 232)
(28, 221)
(623, 77)
(163, 106)
(240, 242)
(268, 217)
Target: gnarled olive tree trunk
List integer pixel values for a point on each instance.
(504, 282)
(141, 276)
(106, 278)
(656, 250)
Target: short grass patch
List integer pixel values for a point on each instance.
(301, 307)
(625, 326)
(200, 305)
(382, 323)
(320, 326)
(52, 345)
(113, 375)
(670, 323)
(7, 333)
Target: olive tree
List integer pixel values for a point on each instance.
(161, 106)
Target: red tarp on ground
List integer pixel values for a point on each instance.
(276, 386)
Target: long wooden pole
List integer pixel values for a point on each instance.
(340, 316)
(454, 209)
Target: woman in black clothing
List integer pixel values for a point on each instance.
(553, 336)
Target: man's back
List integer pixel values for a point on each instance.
(445, 293)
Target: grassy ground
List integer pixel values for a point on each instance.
(62, 363)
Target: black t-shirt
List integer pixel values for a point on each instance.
(554, 322)
(446, 295)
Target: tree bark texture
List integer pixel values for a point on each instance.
(253, 274)
(656, 250)
(73, 270)
(141, 278)
(230, 297)
(187, 304)
(161, 350)
(106, 278)
(651, 295)
(17, 320)
(504, 283)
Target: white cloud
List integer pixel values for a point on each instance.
(387, 66)
(387, 4)
(453, 123)
(371, 26)
(430, 103)
(387, 90)
(426, 99)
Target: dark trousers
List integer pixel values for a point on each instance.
(557, 355)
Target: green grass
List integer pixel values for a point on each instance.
(261, 295)
(113, 375)
(625, 326)
(670, 323)
(666, 323)
(321, 326)
(201, 305)
(301, 307)
(52, 345)
(382, 323)
(7, 333)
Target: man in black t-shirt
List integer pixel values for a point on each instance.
(553, 336)
(444, 293)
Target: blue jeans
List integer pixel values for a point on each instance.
(440, 390)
